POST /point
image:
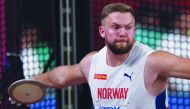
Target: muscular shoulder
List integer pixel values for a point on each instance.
(85, 63)
(157, 66)
(162, 61)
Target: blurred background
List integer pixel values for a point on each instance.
(37, 35)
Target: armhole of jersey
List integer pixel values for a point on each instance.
(93, 64)
(162, 99)
(145, 60)
(92, 67)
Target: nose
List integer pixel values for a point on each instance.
(123, 32)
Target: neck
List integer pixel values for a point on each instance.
(115, 59)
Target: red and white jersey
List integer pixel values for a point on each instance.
(120, 87)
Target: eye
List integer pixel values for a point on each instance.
(115, 27)
(128, 27)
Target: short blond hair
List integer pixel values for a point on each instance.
(116, 7)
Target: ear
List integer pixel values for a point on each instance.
(102, 31)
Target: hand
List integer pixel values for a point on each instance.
(26, 93)
(14, 102)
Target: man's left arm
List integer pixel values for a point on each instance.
(170, 65)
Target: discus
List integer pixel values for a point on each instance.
(27, 91)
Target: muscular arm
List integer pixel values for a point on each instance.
(64, 76)
(159, 66)
(169, 65)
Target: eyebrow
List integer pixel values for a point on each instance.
(122, 24)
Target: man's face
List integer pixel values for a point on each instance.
(118, 30)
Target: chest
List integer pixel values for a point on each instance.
(120, 77)
(116, 85)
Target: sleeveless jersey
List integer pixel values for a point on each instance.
(120, 87)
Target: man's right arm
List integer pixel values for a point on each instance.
(64, 76)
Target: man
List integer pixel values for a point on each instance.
(125, 74)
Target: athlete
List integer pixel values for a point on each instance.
(124, 74)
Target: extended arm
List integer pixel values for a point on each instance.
(64, 76)
(169, 65)
(160, 66)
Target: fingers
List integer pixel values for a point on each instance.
(14, 102)
(18, 104)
